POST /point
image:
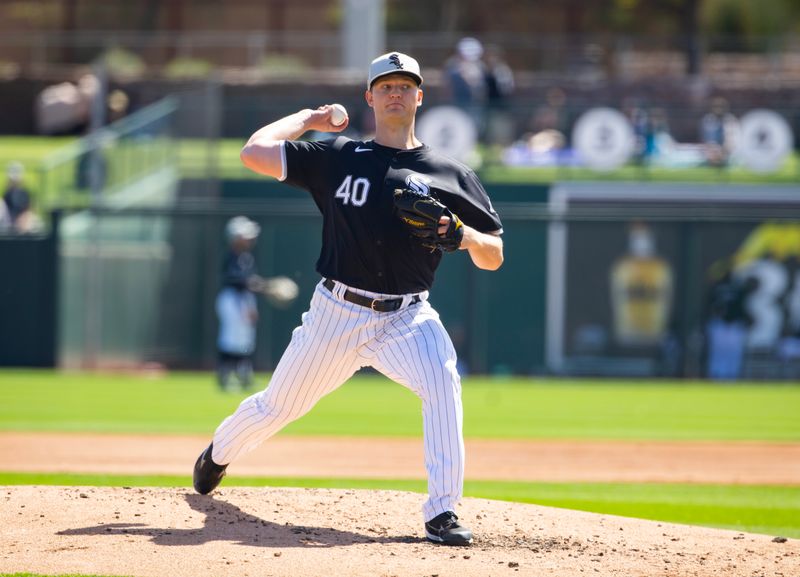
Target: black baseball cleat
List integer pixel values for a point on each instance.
(446, 529)
(207, 474)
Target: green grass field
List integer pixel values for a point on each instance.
(372, 405)
(510, 408)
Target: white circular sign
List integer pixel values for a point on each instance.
(765, 140)
(603, 138)
(448, 130)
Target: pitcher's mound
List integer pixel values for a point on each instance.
(318, 532)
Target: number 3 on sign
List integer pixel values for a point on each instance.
(765, 304)
(353, 191)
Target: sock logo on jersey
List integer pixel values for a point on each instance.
(419, 182)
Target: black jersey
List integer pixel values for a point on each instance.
(363, 244)
(237, 268)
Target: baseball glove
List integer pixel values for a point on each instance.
(280, 291)
(420, 213)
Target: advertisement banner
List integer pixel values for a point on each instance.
(674, 280)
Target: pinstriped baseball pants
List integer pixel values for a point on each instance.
(335, 339)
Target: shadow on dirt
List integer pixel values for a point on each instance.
(226, 522)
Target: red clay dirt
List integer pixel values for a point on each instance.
(314, 532)
(397, 458)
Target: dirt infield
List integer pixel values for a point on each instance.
(313, 532)
(252, 532)
(322, 457)
(326, 457)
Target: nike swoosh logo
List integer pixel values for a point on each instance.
(359, 149)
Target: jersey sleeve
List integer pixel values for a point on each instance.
(474, 206)
(307, 164)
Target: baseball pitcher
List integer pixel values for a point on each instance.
(391, 208)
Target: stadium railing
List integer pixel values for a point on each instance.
(130, 161)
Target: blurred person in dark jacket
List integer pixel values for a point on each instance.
(719, 131)
(499, 79)
(464, 80)
(236, 305)
(17, 200)
(727, 322)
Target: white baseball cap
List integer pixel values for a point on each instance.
(242, 227)
(470, 48)
(394, 63)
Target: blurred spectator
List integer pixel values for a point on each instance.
(651, 130)
(545, 143)
(16, 196)
(552, 114)
(727, 322)
(65, 108)
(17, 201)
(465, 80)
(718, 132)
(654, 144)
(499, 79)
(788, 348)
(5, 219)
(91, 169)
(118, 104)
(642, 131)
(659, 132)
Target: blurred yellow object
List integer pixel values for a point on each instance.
(778, 240)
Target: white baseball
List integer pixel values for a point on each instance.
(338, 114)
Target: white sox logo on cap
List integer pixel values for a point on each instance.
(394, 63)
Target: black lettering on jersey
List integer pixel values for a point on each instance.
(353, 191)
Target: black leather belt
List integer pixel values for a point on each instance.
(378, 305)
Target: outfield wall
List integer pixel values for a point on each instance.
(153, 300)
(674, 280)
(565, 301)
(29, 272)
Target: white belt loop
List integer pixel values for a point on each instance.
(406, 300)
